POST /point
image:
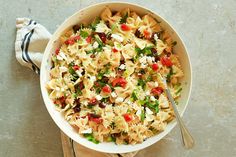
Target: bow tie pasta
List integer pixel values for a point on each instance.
(105, 77)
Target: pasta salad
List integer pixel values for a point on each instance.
(105, 77)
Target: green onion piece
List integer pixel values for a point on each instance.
(134, 96)
(142, 115)
(141, 83)
(94, 23)
(90, 137)
(124, 18)
(84, 34)
(97, 38)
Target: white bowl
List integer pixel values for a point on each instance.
(86, 15)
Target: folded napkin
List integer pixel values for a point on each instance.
(31, 40)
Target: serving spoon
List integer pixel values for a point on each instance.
(187, 139)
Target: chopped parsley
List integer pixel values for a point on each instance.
(84, 34)
(98, 39)
(91, 138)
(142, 83)
(134, 96)
(142, 115)
(94, 23)
(124, 18)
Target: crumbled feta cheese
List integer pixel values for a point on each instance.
(148, 111)
(143, 65)
(152, 98)
(149, 117)
(117, 37)
(113, 94)
(62, 55)
(129, 102)
(95, 45)
(155, 37)
(147, 92)
(119, 100)
(63, 69)
(122, 66)
(153, 59)
(88, 131)
(156, 84)
(143, 60)
(138, 113)
(93, 79)
(149, 60)
(98, 97)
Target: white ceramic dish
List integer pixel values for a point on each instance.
(86, 15)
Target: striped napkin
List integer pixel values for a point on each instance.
(31, 40)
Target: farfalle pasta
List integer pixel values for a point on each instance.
(105, 77)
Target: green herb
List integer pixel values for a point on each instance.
(90, 51)
(94, 23)
(84, 34)
(91, 138)
(124, 18)
(178, 91)
(141, 83)
(142, 115)
(98, 39)
(134, 96)
(111, 139)
(168, 77)
(105, 99)
(145, 51)
(114, 27)
(154, 106)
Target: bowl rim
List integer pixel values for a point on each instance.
(45, 94)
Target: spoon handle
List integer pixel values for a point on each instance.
(187, 139)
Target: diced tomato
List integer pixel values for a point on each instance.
(70, 41)
(76, 67)
(57, 51)
(76, 38)
(97, 120)
(125, 27)
(166, 61)
(128, 117)
(106, 89)
(96, 84)
(114, 50)
(155, 67)
(93, 101)
(89, 39)
(147, 34)
(119, 81)
(157, 91)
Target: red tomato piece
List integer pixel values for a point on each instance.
(93, 101)
(57, 51)
(157, 91)
(97, 120)
(69, 41)
(125, 27)
(166, 61)
(76, 38)
(128, 117)
(114, 50)
(89, 39)
(155, 67)
(76, 67)
(106, 89)
(119, 81)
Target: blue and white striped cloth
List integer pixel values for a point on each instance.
(31, 40)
